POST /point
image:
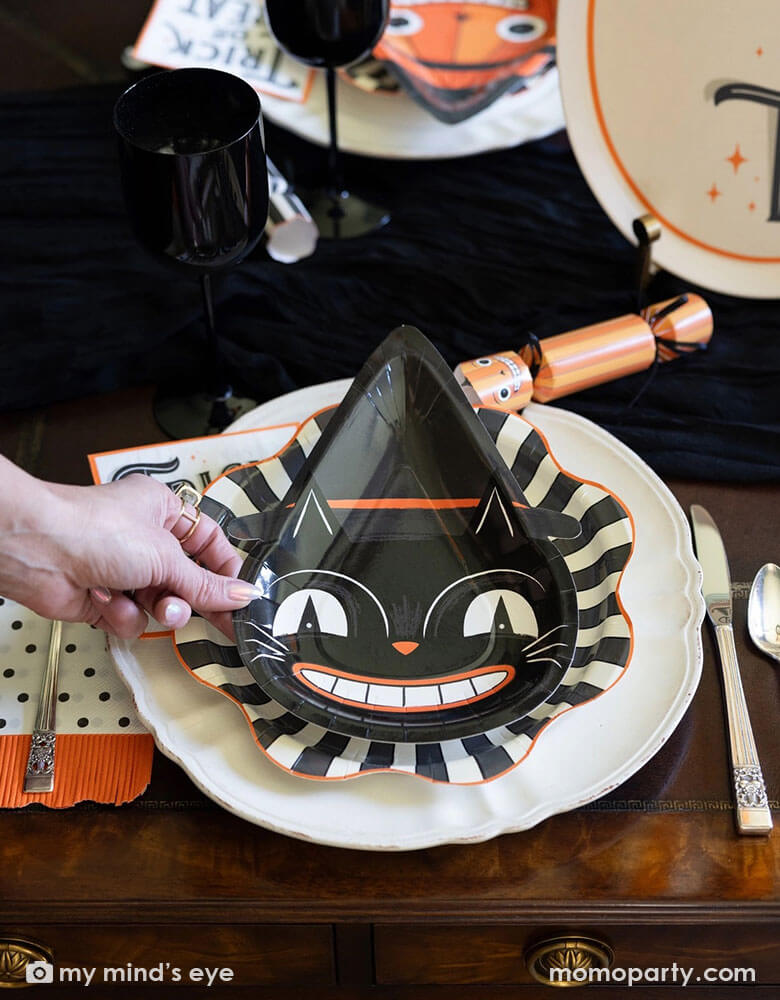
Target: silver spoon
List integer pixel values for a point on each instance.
(764, 610)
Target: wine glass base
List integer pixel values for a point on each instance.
(197, 414)
(345, 216)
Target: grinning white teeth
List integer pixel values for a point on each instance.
(324, 682)
(405, 695)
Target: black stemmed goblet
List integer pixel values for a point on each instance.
(196, 187)
(329, 34)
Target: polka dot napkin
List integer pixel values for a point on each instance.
(103, 752)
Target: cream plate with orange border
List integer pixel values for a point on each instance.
(672, 109)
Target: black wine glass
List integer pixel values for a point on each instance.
(196, 188)
(329, 34)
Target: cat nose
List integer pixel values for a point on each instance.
(405, 647)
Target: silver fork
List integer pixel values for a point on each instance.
(39, 776)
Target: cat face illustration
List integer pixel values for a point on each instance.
(394, 607)
(457, 57)
(474, 38)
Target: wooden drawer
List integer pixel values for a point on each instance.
(259, 954)
(494, 955)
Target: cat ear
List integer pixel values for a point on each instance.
(309, 517)
(497, 517)
(494, 516)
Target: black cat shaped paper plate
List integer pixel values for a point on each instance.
(434, 561)
(407, 597)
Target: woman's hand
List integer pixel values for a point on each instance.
(77, 553)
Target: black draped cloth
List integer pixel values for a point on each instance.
(480, 250)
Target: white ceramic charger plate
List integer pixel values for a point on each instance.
(581, 756)
(395, 127)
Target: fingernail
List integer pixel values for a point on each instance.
(243, 591)
(173, 613)
(101, 594)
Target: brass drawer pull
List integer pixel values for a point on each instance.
(573, 953)
(16, 954)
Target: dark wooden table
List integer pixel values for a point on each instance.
(655, 870)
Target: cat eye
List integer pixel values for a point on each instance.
(408, 23)
(484, 616)
(310, 610)
(521, 28)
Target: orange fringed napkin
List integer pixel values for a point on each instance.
(109, 768)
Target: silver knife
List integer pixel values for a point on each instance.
(39, 776)
(753, 815)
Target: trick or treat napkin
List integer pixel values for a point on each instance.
(229, 35)
(103, 752)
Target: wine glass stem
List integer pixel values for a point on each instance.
(221, 388)
(334, 172)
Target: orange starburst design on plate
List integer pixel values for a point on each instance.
(713, 192)
(736, 158)
(759, 51)
(752, 206)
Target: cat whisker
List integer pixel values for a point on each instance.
(259, 642)
(543, 649)
(266, 656)
(264, 632)
(545, 659)
(533, 642)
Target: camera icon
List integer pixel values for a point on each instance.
(39, 972)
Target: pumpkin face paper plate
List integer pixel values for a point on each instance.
(410, 592)
(456, 58)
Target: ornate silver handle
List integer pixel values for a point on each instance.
(753, 814)
(39, 776)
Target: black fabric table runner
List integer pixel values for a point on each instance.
(479, 251)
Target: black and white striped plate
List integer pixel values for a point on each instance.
(596, 560)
